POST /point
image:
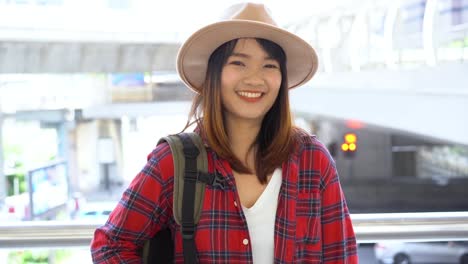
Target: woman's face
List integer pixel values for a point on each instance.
(250, 82)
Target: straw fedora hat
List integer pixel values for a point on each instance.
(245, 20)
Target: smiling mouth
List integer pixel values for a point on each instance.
(250, 94)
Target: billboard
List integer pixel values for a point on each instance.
(48, 188)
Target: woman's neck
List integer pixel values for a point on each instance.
(241, 135)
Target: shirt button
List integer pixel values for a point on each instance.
(235, 203)
(245, 241)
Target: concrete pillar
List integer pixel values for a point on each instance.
(62, 146)
(64, 153)
(3, 188)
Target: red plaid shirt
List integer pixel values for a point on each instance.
(312, 219)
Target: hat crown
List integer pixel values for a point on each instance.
(249, 11)
(245, 20)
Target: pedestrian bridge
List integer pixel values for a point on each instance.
(431, 101)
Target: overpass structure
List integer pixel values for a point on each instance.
(408, 71)
(431, 102)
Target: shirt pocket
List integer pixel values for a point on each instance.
(308, 232)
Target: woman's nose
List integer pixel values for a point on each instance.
(254, 78)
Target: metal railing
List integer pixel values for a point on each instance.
(369, 228)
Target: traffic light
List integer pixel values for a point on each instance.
(349, 146)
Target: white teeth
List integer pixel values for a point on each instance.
(249, 94)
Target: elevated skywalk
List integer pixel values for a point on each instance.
(429, 101)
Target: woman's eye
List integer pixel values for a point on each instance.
(272, 66)
(239, 63)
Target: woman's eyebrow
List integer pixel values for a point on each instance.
(243, 55)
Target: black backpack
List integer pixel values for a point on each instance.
(190, 179)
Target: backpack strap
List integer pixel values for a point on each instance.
(188, 204)
(190, 178)
(178, 156)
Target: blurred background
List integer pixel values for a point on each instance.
(88, 87)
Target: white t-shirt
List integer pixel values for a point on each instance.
(261, 221)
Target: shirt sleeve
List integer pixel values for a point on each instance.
(338, 238)
(143, 210)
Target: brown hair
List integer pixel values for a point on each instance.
(275, 140)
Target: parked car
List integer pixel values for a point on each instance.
(421, 252)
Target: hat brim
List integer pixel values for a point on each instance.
(192, 59)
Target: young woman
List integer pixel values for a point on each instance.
(282, 201)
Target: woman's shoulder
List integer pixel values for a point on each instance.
(160, 159)
(306, 139)
(160, 151)
(309, 143)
